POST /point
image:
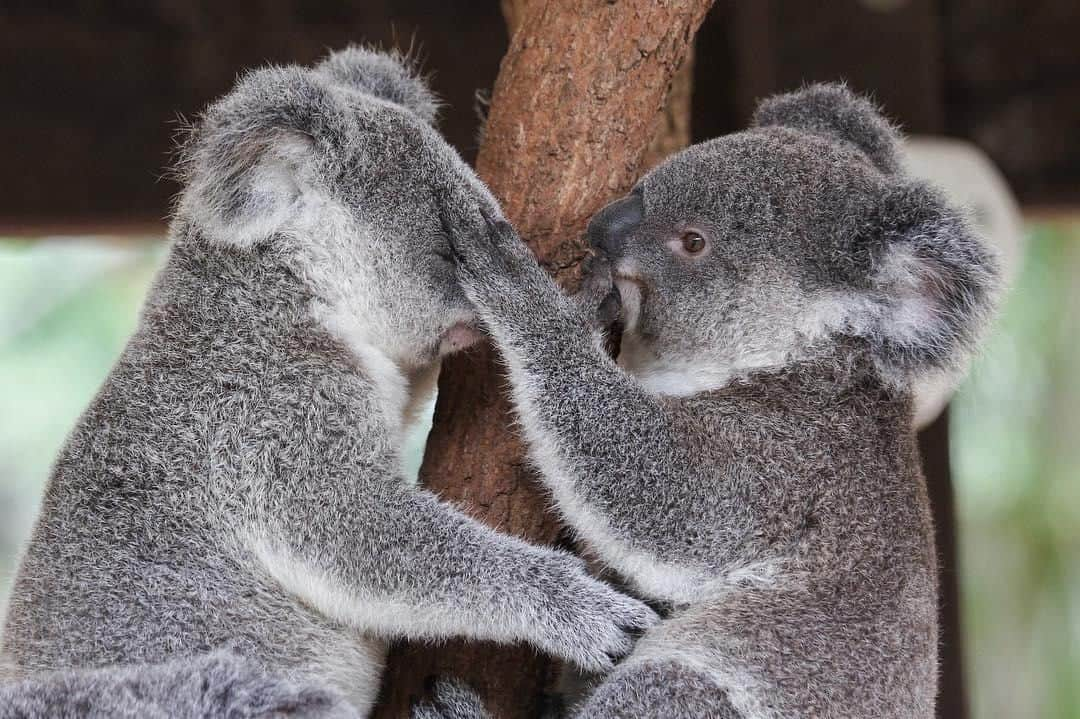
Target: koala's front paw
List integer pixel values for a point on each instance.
(494, 266)
(594, 625)
(483, 242)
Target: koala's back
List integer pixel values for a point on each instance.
(137, 554)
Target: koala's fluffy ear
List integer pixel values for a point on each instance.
(833, 111)
(250, 159)
(390, 76)
(933, 286)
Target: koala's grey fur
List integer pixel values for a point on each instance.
(236, 482)
(211, 685)
(751, 460)
(450, 699)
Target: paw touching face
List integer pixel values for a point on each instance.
(756, 248)
(417, 305)
(340, 168)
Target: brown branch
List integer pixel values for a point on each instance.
(673, 131)
(577, 102)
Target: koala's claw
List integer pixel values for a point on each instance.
(505, 240)
(610, 310)
(479, 237)
(496, 225)
(450, 230)
(598, 297)
(636, 631)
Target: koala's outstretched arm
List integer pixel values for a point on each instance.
(394, 561)
(604, 445)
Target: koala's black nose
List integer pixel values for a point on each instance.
(610, 226)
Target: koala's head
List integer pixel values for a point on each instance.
(767, 245)
(339, 170)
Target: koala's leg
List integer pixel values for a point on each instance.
(397, 562)
(450, 699)
(664, 690)
(215, 685)
(651, 690)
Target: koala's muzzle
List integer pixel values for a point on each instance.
(609, 228)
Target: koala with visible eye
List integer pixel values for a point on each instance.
(750, 460)
(236, 484)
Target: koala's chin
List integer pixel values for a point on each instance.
(460, 336)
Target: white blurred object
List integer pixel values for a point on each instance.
(970, 179)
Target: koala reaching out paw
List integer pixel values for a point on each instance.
(750, 460)
(236, 482)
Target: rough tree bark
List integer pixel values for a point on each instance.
(576, 108)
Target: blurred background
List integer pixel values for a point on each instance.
(91, 92)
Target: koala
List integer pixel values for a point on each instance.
(236, 484)
(749, 461)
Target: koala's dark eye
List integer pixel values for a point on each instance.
(692, 242)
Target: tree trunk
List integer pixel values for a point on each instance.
(577, 102)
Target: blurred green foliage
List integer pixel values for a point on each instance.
(66, 308)
(1016, 455)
